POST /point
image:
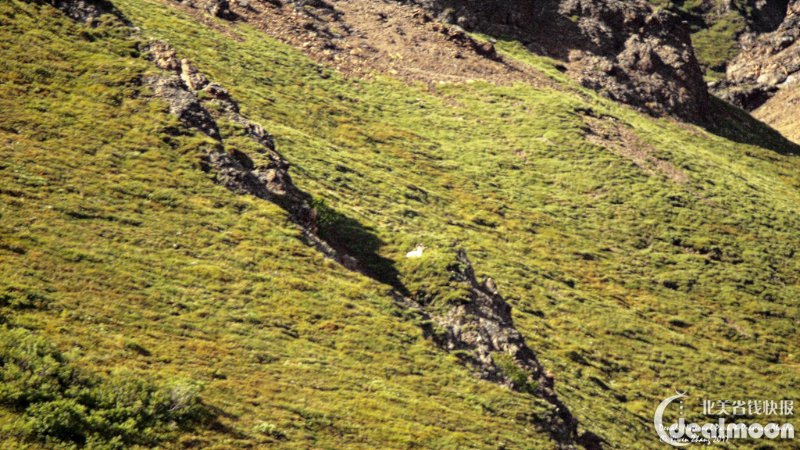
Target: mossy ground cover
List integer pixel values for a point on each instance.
(122, 253)
(718, 44)
(716, 27)
(628, 284)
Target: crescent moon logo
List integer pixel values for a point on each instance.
(658, 421)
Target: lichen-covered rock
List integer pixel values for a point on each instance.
(163, 56)
(193, 78)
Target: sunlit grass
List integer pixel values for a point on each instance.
(115, 245)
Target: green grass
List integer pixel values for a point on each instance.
(718, 44)
(117, 249)
(135, 260)
(715, 27)
(58, 403)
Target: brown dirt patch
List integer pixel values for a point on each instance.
(780, 112)
(609, 132)
(367, 37)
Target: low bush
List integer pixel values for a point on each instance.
(59, 403)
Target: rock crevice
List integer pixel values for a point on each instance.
(479, 326)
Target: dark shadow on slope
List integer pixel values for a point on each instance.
(768, 17)
(337, 236)
(738, 125)
(211, 421)
(348, 236)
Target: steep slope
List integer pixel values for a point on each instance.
(767, 63)
(118, 249)
(639, 255)
(781, 112)
(750, 53)
(624, 50)
(478, 325)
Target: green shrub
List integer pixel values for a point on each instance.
(519, 377)
(60, 403)
(62, 419)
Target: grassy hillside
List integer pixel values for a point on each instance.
(122, 253)
(641, 256)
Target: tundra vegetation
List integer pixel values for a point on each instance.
(143, 304)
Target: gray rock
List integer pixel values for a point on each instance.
(218, 8)
(184, 104)
(481, 328)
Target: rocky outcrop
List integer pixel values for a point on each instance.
(768, 63)
(83, 10)
(218, 8)
(232, 168)
(481, 323)
(760, 16)
(624, 49)
(184, 104)
(479, 327)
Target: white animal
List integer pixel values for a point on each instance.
(417, 252)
